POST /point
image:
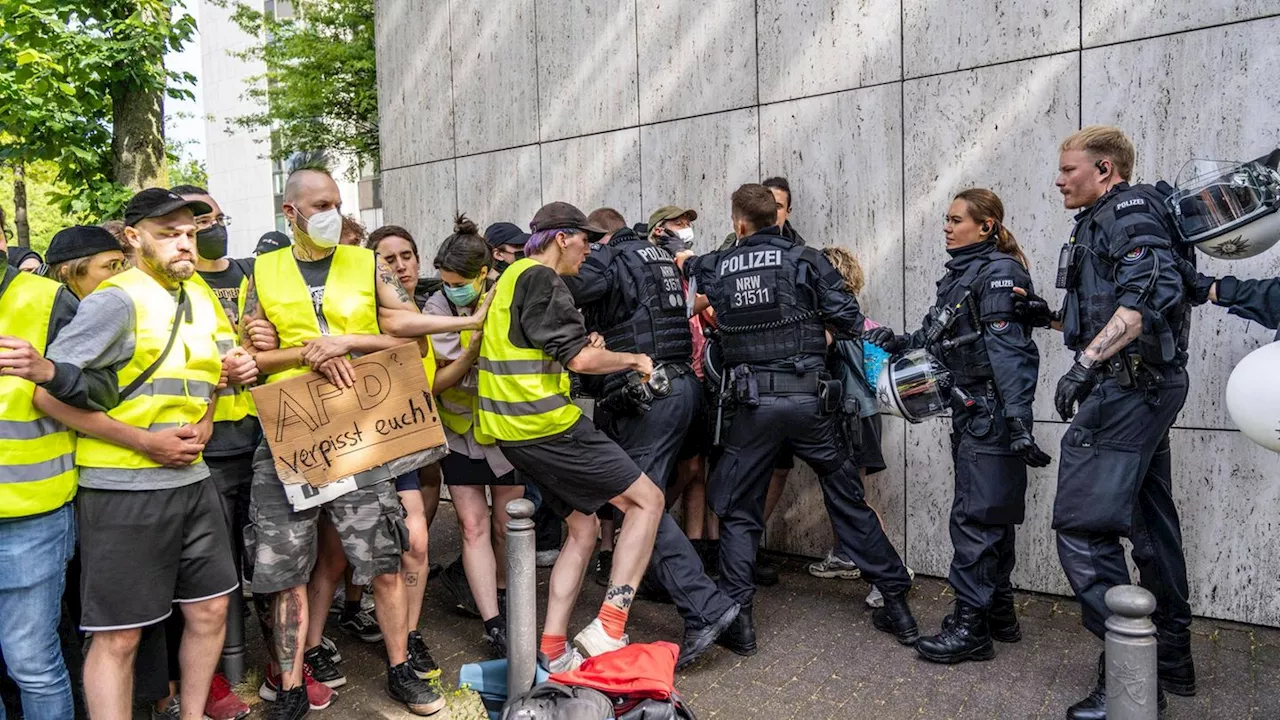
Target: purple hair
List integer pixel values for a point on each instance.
(538, 241)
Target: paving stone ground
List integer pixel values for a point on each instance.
(821, 658)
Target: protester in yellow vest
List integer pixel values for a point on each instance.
(532, 334)
(327, 301)
(149, 516)
(37, 482)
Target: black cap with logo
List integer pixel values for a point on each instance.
(158, 202)
(563, 216)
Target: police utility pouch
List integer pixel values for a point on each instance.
(830, 395)
(1070, 260)
(745, 390)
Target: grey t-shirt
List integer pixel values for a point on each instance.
(101, 336)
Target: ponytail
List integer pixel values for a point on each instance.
(985, 206)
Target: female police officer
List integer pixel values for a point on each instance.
(994, 363)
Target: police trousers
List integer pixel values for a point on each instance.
(740, 479)
(653, 441)
(990, 500)
(1115, 480)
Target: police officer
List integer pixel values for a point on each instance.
(1256, 300)
(773, 300)
(631, 292)
(994, 364)
(1127, 318)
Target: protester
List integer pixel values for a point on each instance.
(506, 243)
(149, 514)
(474, 465)
(271, 240)
(327, 301)
(37, 483)
(353, 232)
(24, 259)
(532, 335)
(82, 256)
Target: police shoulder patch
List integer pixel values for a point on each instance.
(1135, 254)
(1131, 205)
(999, 326)
(1002, 284)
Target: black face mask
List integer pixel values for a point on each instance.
(501, 265)
(211, 243)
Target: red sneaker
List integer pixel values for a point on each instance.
(319, 696)
(223, 703)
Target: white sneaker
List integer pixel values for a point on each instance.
(593, 640)
(833, 568)
(874, 598)
(568, 662)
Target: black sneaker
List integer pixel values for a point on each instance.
(290, 705)
(403, 685)
(361, 624)
(322, 667)
(454, 579)
(497, 639)
(424, 666)
(604, 567)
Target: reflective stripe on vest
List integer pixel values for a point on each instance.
(180, 390)
(524, 393)
(350, 304)
(234, 402)
(37, 470)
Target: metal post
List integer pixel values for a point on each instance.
(233, 646)
(522, 599)
(1131, 655)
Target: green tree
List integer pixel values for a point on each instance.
(82, 85)
(183, 169)
(320, 88)
(44, 217)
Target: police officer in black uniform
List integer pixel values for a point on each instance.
(1256, 300)
(994, 364)
(1127, 318)
(774, 301)
(630, 291)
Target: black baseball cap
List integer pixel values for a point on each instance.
(79, 241)
(158, 202)
(271, 240)
(505, 233)
(562, 216)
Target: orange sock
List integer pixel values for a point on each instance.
(553, 646)
(614, 620)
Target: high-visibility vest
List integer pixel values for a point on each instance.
(350, 303)
(38, 471)
(524, 393)
(181, 388)
(233, 402)
(458, 407)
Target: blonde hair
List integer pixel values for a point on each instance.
(985, 206)
(846, 263)
(1104, 141)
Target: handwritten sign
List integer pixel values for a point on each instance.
(319, 433)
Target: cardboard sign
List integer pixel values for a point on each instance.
(320, 434)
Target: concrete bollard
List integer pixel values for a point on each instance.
(1131, 655)
(522, 598)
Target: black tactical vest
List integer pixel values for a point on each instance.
(961, 292)
(648, 314)
(766, 311)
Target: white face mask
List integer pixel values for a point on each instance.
(325, 228)
(686, 234)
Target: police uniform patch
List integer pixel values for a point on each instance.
(999, 327)
(1132, 205)
(1135, 254)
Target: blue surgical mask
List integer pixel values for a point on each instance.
(461, 296)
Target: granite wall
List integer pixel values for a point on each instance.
(877, 111)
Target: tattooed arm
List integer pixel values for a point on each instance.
(399, 316)
(1124, 327)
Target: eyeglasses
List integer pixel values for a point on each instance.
(204, 223)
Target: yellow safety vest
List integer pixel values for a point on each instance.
(234, 402)
(429, 364)
(457, 406)
(350, 304)
(524, 393)
(38, 471)
(180, 390)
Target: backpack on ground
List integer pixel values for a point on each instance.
(553, 701)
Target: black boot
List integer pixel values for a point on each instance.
(1094, 705)
(1002, 619)
(740, 637)
(964, 636)
(711, 558)
(765, 573)
(698, 638)
(1177, 669)
(895, 617)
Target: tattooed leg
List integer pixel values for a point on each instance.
(290, 629)
(620, 596)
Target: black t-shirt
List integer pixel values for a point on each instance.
(226, 286)
(547, 318)
(231, 437)
(316, 274)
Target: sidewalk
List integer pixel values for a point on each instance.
(821, 658)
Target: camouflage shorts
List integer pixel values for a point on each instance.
(281, 543)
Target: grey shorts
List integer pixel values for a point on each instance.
(281, 543)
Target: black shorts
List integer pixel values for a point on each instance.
(579, 469)
(141, 551)
(407, 481)
(459, 469)
(868, 456)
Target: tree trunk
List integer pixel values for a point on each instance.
(20, 205)
(137, 138)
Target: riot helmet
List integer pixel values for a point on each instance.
(713, 361)
(1253, 396)
(914, 386)
(1228, 210)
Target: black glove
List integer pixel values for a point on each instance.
(1199, 294)
(1073, 388)
(885, 338)
(1033, 310)
(670, 242)
(1024, 443)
